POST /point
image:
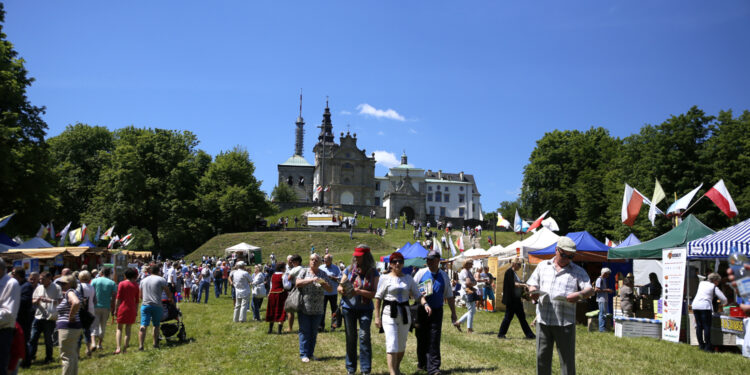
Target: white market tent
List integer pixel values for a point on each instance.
(541, 239)
(242, 247)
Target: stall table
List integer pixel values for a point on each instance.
(637, 327)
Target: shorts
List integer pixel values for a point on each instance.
(152, 314)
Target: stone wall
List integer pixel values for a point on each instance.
(361, 210)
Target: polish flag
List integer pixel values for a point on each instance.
(460, 243)
(609, 242)
(720, 196)
(632, 201)
(537, 222)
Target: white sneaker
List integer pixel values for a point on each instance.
(305, 359)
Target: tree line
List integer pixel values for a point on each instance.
(155, 183)
(580, 175)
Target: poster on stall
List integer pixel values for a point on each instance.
(673, 284)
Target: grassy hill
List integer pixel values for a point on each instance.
(291, 242)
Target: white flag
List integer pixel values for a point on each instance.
(64, 234)
(453, 248)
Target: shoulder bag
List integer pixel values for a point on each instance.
(86, 317)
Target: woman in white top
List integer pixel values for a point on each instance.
(708, 291)
(87, 292)
(259, 291)
(394, 290)
(469, 293)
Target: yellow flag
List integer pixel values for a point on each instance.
(658, 193)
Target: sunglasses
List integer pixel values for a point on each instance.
(568, 256)
(397, 261)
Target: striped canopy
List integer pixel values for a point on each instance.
(719, 244)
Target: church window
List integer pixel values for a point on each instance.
(442, 211)
(377, 201)
(438, 187)
(438, 196)
(290, 181)
(461, 188)
(461, 211)
(348, 166)
(446, 188)
(446, 198)
(377, 186)
(460, 198)
(472, 207)
(429, 188)
(429, 197)
(301, 181)
(432, 210)
(348, 155)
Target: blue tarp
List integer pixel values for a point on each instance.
(86, 244)
(630, 241)
(584, 242)
(34, 243)
(5, 240)
(410, 251)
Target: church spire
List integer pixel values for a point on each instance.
(326, 128)
(300, 131)
(403, 158)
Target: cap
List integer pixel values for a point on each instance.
(240, 264)
(433, 255)
(567, 244)
(606, 270)
(361, 249)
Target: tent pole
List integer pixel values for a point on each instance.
(687, 298)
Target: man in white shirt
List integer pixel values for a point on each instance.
(45, 298)
(10, 302)
(241, 281)
(563, 284)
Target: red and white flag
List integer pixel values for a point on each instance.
(327, 188)
(537, 222)
(609, 242)
(460, 243)
(318, 189)
(122, 240)
(720, 196)
(632, 201)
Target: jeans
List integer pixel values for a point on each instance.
(602, 316)
(547, 337)
(39, 327)
(257, 302)
(471, 308)
(517, 310)
(203, 288)
(308, 333)
(428, 339)
(703, 320)
(225, 285)
(6, 339)
(240, 309)
(329, 300)
(217, 287)
(364, 318)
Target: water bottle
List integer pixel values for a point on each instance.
(737, 262)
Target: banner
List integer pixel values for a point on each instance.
(673, 283)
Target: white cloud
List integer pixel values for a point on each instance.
(412, 131)
(368, 110)
(386, 159)
(345, 112)
(381, 133)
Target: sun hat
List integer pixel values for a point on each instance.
(433, 255)
(361, 249)
(567, 244)
(606, 270)
(240, 264)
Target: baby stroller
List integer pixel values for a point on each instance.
(176, 330)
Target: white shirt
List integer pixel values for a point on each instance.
(241, 281)
(707, 292)
(90, 293)
(10, 301)
(399, 289)
(171, 275)
(47, 310)
(552, 310)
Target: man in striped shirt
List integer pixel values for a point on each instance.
(558, 284)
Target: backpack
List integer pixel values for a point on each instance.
(217, 273)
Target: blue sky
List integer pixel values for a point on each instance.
(471, 85)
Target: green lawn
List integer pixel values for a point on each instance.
(219, 346)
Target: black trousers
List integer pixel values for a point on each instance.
(329, 300)
(428, 339)
(517, 310)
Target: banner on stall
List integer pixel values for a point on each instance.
(29, 265)
(673, 284)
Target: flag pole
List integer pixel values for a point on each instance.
(692, 205)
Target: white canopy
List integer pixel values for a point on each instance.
(541, 239)
(242, 248)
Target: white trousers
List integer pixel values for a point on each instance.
(395, 333)
(240, 308)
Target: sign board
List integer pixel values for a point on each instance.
(321, 220)
(673, 285)
(732, 325)
(59, 260)
(29, 265)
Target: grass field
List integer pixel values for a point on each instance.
(219, 346)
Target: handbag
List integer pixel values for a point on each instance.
(293, 301)
(86, 317)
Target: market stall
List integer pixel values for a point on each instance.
(246, 252)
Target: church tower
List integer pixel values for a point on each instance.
(326, 127)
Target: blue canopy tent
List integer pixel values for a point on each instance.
(34, 243)
(630, 241)
(6, 243)
(720, 244)
(86, 244)
(589, 249)
(409, 251)
(406, 246)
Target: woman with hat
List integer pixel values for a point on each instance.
(357, 287)
(394, 291)
(68, 324)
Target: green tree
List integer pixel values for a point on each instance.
(150, 181)
(79, 152)
(230, 196)
(283, 193)
(24, 156)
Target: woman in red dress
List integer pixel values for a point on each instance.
(276, 297)
(126, 307)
